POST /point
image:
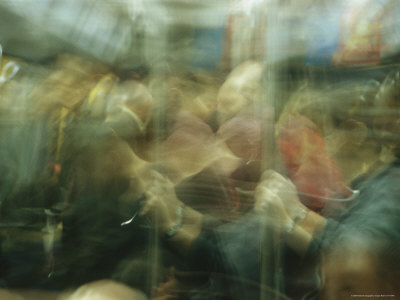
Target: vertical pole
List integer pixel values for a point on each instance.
(155, 51)
(270, 240)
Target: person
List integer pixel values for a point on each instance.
(365, 239)
(128, 112)
(223, 267)
(310, 237)
(241, 91)
(344, 254)
(104, 182)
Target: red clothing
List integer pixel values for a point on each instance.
(313, 171)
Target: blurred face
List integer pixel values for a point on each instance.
(230, 102)
(239, 91)
(193, 147)
(130, 100)
(351, 273)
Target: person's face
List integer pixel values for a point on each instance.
(230, 102)
(192, 147)
(350, 273)
(239, 91)
(129, 98)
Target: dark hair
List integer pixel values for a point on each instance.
(94, 242)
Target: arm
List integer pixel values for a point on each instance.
(277, 197)
(312, 223)
(188, 233)
(162, 203)
(299, 239)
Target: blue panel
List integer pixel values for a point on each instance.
(322, 40)
(207, 47)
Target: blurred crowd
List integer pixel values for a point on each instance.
(141, 185)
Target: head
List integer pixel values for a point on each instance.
(243, 136)
(134, 96)
(106, 290)
(194, 93)
(314, 172)
(192, 147)
(360, 263)
(129, 109)
(240, 91)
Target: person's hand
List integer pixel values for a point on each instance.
(161, 202)
(277, 197)
(170, 289)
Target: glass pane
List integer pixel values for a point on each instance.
(176, 149)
